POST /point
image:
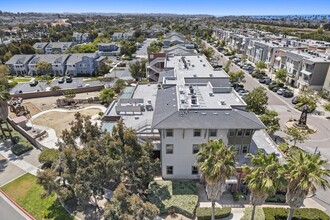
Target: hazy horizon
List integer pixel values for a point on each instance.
(184, 7)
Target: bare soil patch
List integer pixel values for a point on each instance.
(59, 121)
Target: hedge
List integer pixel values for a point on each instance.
(206, 213)
(278, 198)
(299, 214)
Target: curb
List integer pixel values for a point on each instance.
(19, 207)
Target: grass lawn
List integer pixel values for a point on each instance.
(259, 214)
(26, 192)
(180, 195)
(19, 79)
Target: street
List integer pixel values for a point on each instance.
(284, 108)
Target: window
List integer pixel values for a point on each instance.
(247, 132)
(197, 132)
(195, 148)
(169, 170)
(238, 148)
(169, 148)
(232, 133)
(169, 132)
(213, 132)
(245, 149)
(194, 170)
(239, 132)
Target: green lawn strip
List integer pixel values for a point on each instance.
(26, 192)
(259, 214)
(179, 195)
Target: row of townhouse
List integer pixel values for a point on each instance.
(174, 38)
(306, 61)
(61, 64)
(130, 35)
(80, 38)
(191, 104)
(52, 47)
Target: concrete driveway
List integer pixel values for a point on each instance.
(8, 171)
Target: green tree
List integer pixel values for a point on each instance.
(296, 135)
(307, 97)
(69, 94)
(236, 77)
(281, 75)
(208, 52)
(44, 67)
(257, 100)
(48, 157)
(127, 206)
(271, 121)
(303, 174)
(4, 98)
(216, 163)
(227, 67)
(106, 95)
(127, 48)
(261, 65)
(27, 49)
(138, 70)
(263, 178)
(119, 85)
(102, 69)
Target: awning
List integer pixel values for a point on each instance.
(306, 73)
(249, 47)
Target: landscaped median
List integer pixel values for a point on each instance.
(178, 195)
(27, 193)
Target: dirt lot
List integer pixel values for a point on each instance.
(41, 104)
(59, 121)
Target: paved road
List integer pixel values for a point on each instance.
(142, 52)
(286, 111)
(8, 211)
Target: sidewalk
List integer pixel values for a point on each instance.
(17, 161)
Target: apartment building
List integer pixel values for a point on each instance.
(57, 61)
(130, 35)
(108, 49)
(57, 47)
(18, 64)
(117, 36)
(40, 47)
(82, 64)
(174, 38)
(80, 38)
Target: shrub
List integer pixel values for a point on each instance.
(101, 114)
(327, 107)
(299, 214)
(19, 149)
(238, 196)
(48, 157)
(278, 198)
(206, 213)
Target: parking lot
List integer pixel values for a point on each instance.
(42, 85)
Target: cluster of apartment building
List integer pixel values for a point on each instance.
(189, 103)
(174, 38)
(61, 64)
(117, 36)
(306, 61)
(80, 38)
(52, 47)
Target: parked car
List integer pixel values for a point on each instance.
(268, 81)
(236, 85)
(294, 100)
(18, 91)
(275, 89)
(69, 79)
(61, 80)
(287, 94)
(79, 85)
(34, 83)
(263, 79)
(280, 91)
(48, 89)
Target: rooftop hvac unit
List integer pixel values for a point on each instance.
(211, 94)
(211, 75)
(195, 75)
(223, 102)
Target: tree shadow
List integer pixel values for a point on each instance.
(3, 164)
(158, 194)
(57, 212)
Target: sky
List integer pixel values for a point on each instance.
(212, 7)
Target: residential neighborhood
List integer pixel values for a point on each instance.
(159, 111)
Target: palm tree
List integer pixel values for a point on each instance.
(303, 174)
(263, 178)
(4, 97)
(216, 163)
